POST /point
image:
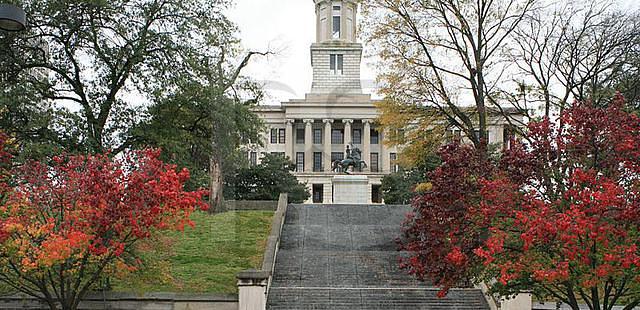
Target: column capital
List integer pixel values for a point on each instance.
(290, 121)
(328, 120)
(347, 121)
(367, 121)
(308, 120)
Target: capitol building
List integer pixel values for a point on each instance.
(315, 131)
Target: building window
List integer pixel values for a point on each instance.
(317, 136)
(374, 162)
(336, 64)
(393, 157)
(336, 21)
(300, 136)
(337, 136)
(454, 135)
(282, 136)
(318, 191)
(300, 161)
(376, 193)
(357, 136)
(337, 156)
(253, 158)
(375, 137)
(317, 162)
(274, 135)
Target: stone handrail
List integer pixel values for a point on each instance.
(491, 300)
(253, 285)
(273, 241)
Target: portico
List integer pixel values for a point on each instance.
(313, 143)
(322, 138)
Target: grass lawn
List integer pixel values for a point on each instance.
(204, 259)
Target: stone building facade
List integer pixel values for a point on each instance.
(314, 131)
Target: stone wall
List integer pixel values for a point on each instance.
(554, 306)
(250, 205)
(346, 83)
(127, 301)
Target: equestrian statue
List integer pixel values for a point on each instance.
(353, 160)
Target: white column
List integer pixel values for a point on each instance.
(383, 156)
(366, 143)
(347, 131)
(308, 145)
(327, 144)
(288, 141)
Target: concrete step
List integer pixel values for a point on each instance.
(345, 257)
(369, 299)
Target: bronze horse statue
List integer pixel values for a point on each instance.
(353, 160)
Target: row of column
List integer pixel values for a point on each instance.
(327, 150)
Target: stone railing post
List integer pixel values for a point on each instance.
(252, 289)
(522, 301)
(518, 302)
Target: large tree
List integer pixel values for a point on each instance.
(448, 64)
(114, 74)
(205, 121)
(65, 225)
(439, 57)
(102, 57)
(572, 51)
(558, 216)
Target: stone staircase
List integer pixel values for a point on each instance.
(344, 257)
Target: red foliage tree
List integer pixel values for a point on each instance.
(559, 216)
(438, 229)
(65, 224)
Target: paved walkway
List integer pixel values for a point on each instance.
(344, 257)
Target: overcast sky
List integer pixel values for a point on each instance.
(288, 26)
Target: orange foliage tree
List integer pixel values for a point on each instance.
(65, 224)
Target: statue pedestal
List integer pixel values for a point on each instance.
(351, 189)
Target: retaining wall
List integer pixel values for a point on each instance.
(127, 301)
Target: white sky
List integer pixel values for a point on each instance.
(288, 26)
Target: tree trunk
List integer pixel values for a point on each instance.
(482, 115)
(52, 304)
(215, 186)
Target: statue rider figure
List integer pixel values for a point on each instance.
(353, 159)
